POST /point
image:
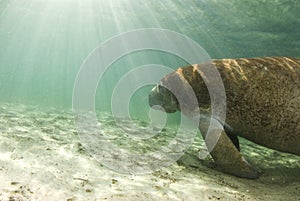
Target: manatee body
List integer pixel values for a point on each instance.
(262, 105)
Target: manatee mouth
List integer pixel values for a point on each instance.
(161, 98)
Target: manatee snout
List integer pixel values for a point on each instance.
(161, 96)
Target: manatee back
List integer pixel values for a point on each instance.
(263, 100)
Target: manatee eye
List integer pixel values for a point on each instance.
(163, 90)
(163, 97)
(160, 88)
(168, 97)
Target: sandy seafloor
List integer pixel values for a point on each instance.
(41, 158)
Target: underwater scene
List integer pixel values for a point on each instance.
(94, 104)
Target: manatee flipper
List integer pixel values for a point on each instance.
(234, 139)
(225, 153)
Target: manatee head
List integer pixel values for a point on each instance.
(182, 90)
(161, 96)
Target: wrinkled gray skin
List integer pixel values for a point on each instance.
(263, 106)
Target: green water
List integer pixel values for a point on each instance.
(43, 43)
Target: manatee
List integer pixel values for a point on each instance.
(262, 105)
